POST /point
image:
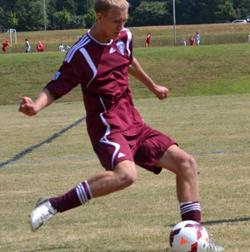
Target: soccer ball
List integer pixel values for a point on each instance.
(188, 236)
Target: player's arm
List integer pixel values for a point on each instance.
(69, 76)
(31, 108)
(136, 70)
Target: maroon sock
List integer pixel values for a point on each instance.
(191, 211)
(77, 196)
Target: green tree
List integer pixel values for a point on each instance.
(150, 13)
(66, 14)
(6, 11)
(134, 4)
(62, 14)
(51, 10)
(2, 19)
(69, 5)
(204, 11)
(242, 8)
(89, 18)
(7, 5)
(63, 19)
(225, 11)
(12, 20)
(29, 15)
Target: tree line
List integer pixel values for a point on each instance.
(30, 15)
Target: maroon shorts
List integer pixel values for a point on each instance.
(144, 148)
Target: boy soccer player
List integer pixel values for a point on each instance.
(5, 46)
(100, 62)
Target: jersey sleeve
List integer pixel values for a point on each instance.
(127, 38)
(70, 74)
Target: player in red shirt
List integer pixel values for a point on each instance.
(192, 41)
(40, 47)
(148, 40)
(5, 46)
(100, 62)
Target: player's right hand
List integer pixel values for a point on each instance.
(27, 106)
(161, 92)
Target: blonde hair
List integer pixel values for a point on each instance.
(106, 5)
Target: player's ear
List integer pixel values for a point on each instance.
(99, 16)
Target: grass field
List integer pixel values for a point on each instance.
(204, 70)
(215, 129)
(207, 113)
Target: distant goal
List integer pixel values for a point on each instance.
(13, 36)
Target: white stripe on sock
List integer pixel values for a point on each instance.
(190, 207)
(81, 194)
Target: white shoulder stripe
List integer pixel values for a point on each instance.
(90, 62)
(129, 34)
(74, 48)
(82, 42)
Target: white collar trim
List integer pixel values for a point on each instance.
(98, 42)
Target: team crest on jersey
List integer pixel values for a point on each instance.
(121, 46)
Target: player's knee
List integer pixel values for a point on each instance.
(189, 166)
(127, 175)
(128, 179)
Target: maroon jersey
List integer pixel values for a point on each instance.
(102, 71)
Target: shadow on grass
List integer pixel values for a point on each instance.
(212, 222)
(71, 249)
(132, 250)
(51, 248)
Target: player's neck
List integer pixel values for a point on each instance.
(98, 35)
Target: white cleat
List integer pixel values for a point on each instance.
(41, 214)
(213, 247)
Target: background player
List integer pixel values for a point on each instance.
(5, 46)
(148, 39)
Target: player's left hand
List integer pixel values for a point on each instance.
(161, 92)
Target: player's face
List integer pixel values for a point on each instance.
(112, 22)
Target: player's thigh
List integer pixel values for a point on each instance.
(177, 160)
(126, 171)
(113, 150)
